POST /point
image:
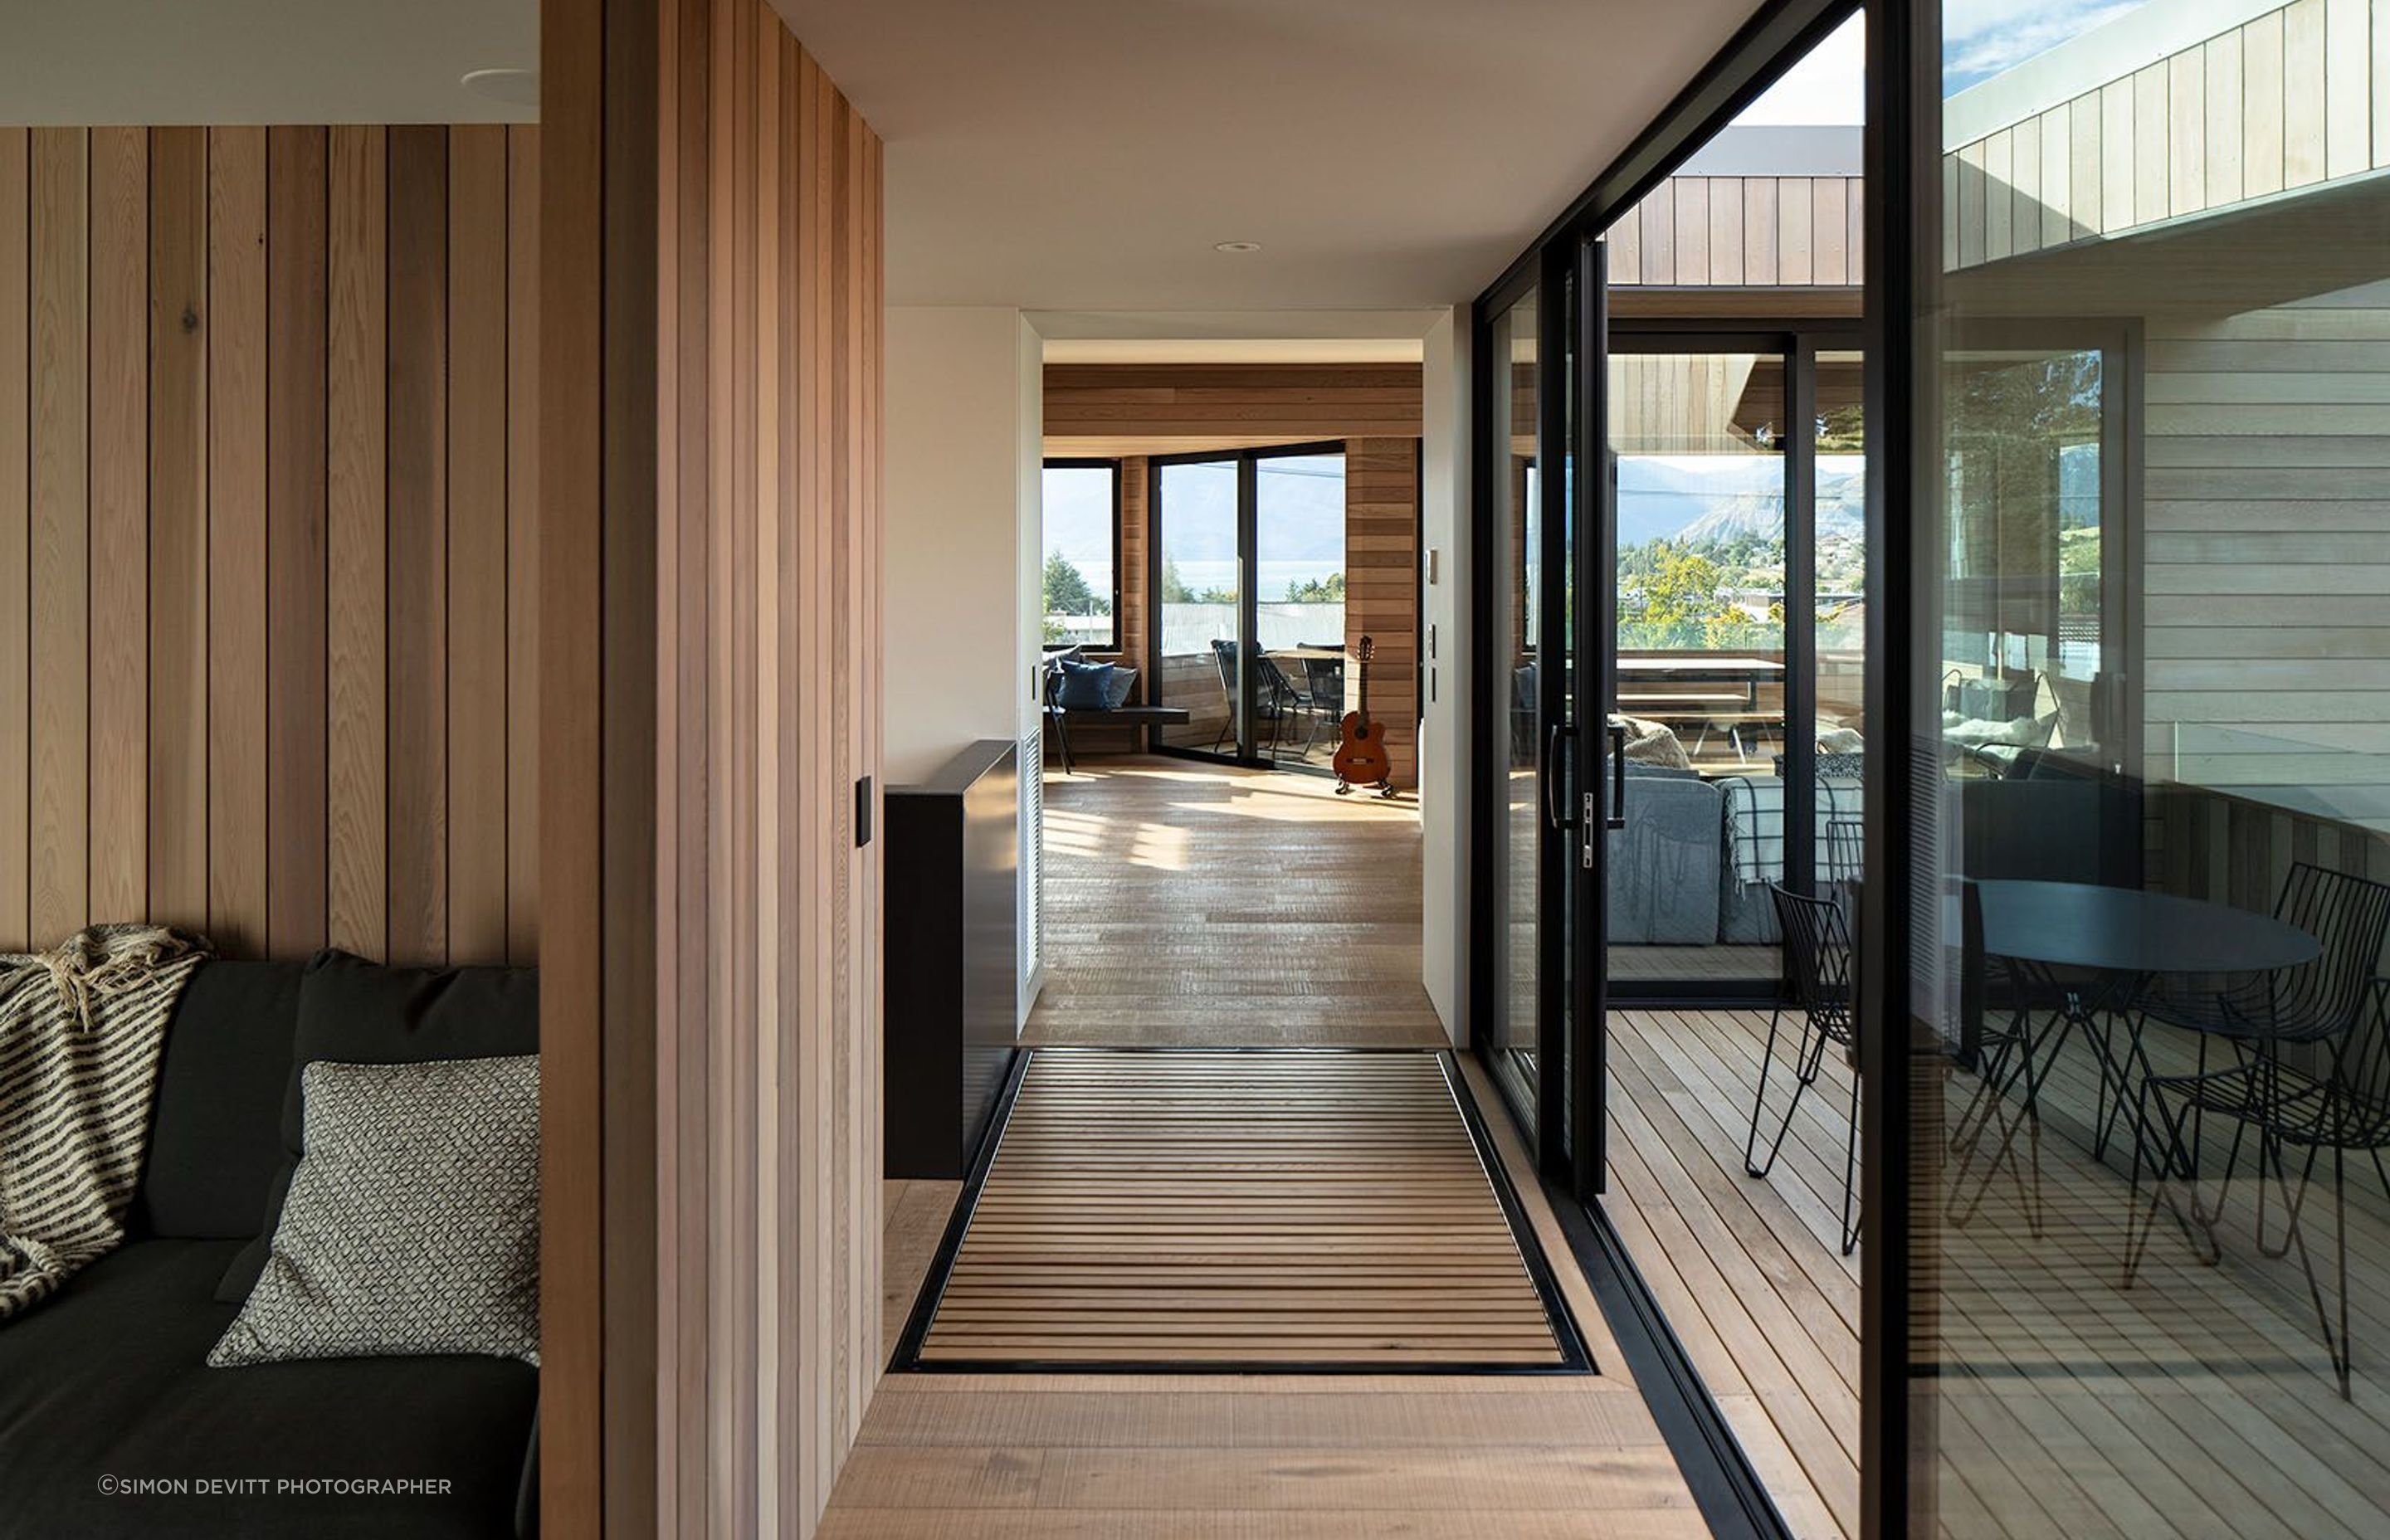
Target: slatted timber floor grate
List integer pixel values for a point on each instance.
(1280, 1210)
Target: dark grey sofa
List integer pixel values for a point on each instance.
(108, 1380)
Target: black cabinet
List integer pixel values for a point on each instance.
(952, 957)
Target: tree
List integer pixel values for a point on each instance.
(1067, 592)
(1680, 599)
(1682, 587)
(1330, 590)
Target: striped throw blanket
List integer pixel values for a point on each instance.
(79, 1032)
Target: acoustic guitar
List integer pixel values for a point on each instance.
(1361, 751)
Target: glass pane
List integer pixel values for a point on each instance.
(1518, 494)
(1299, 696)
(1082, 545)
(1700, 441)
(2147, 912)
(1840, 565)
(1197, 654)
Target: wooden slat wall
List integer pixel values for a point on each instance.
(1134, 528)
(1135, 531)
(2288, 99)
(1209, 406)
(240, 688)
(768, 913)
(1382, 579)
(1728, 232)
(2266, 550)
(2204, 842)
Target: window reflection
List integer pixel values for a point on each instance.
(2150, 1214)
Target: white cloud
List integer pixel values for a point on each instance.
(1982, 38)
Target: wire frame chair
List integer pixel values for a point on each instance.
(2338, 1006)
(1819, 958)
(1843, 852)
(2349, 917)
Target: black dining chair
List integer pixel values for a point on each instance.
(2333, 1012)
(1273, 697)
(2318, 1000)
(1817, 959)
(1323, 697)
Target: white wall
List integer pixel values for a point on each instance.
(955, 475)
(965, 424)
(1443, 736)
(1027, 606)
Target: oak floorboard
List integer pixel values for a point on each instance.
(1139, 956)
(1194, 905)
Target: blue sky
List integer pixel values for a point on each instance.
(1301, 517)
(1078, 516)
(1980, 38)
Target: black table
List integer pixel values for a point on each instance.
(2092, 952)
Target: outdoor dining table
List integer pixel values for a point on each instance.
(2096, 951)
(1746, 673)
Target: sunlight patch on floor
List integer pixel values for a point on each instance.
(1158, 846)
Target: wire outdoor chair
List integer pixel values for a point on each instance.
(1323, 697)
(2332, 1011)
(1819, 957)
(1273, 696)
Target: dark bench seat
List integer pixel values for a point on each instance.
(1124, 716)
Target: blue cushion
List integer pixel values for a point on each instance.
(1117, 688)
(1084, 686)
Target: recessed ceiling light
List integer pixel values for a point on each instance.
(515, 87)
(1237, 246)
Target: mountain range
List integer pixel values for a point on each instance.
(1712, 499)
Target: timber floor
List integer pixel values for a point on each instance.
(1209, 905)
(1695, 964)
(1279, 1207)
(2197, 1401)
(1258, 1457)
(1297, 923)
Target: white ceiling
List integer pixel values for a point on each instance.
(260, 61)
(1087, 154)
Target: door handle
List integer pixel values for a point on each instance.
(1547, 771)
(1617, 818)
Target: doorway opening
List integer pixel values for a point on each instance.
(1231, 568)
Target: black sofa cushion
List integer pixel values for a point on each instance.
(109, 1379)
(213, 1145)
(359, 1012)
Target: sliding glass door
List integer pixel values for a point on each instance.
(1539, 998)
(1300, 574)
(1699, 430)
(1249, 583)
(1199, 595)
(2128, 1003)
(1519, 733)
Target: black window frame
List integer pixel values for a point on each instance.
(1083, 462)
(1727, 1487)
(1246, 458)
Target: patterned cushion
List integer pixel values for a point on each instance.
(412, 1224)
